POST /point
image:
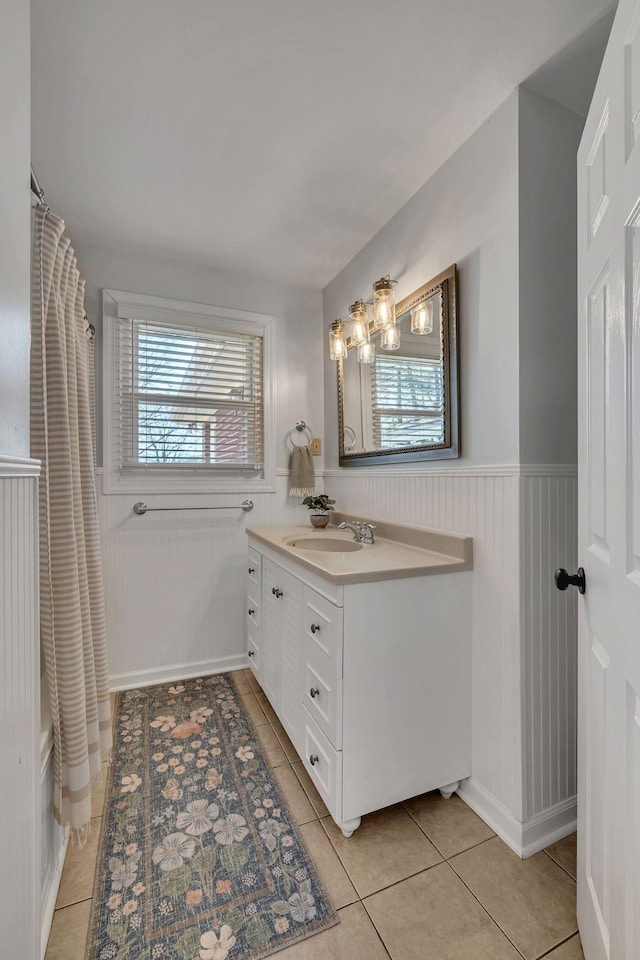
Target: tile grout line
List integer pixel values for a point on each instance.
(553, 860)
(433, 842)
(557, 945)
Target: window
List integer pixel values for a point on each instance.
(408, 401)
(188, 401)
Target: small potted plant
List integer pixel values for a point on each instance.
(321, 505)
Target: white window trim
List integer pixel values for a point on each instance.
(117, 304)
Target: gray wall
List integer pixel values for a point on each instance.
(15, 237)
(466, 213)
(548, 138)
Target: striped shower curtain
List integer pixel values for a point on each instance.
(72, 624)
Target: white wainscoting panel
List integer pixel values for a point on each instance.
(550, 633)
(19, 709)
(486, 508)
(175, 582)
(523, 521)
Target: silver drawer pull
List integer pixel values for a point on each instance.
(314, 692)
(252, 569)
(313, 760)
(251, 612)
(315, 628)
(251, 653)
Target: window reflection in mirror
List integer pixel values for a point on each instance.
(403, 405)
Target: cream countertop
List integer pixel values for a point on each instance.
(399, 551)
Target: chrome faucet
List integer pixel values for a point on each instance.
(362, 532)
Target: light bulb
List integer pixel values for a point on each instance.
(422, 318)
(337, 345)
(390, 338)
(366, 352)
(384, 313)
(360, 322)
(384, 304)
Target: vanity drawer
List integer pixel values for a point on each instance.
(253, 611)
(323, 700)
(323, 764)
(253, 652)
(254, 572)
(322, 623)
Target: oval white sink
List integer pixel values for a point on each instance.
(325, 544)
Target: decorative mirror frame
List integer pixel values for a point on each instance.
(447, 283)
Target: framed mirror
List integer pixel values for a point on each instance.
(403, 406)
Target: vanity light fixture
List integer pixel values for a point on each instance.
(337, 341)
(366, 352)
(384, 304)
(422, 318)
(359, 323)
(390, 337)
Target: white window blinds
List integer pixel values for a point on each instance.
(189, 397)
(408, 401)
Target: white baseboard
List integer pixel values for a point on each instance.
(50, 888)
(177, 671)
(525, 839)
(55, 840)
(549, 826)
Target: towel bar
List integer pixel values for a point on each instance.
(141, 508)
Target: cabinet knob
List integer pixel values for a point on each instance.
(314, 692)
(251, 653)
(313, 760)
(315, 628)
(276, 592)
(252, 569)
(251, 612)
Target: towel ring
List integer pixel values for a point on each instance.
(300, 428)
(349, 439)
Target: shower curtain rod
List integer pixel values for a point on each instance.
(36, 188)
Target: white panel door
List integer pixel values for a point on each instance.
(609, 503)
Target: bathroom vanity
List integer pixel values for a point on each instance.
(364, 652)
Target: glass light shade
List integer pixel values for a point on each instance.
(384, 303)
(390, 338)
(366, 352)
(337, 345)
(422, 318)
(360, 323)
(384, 312)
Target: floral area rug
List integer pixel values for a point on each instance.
(199, 856)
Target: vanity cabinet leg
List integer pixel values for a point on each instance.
(348, 826)
(449, 788)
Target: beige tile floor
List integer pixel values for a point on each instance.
(422, 880)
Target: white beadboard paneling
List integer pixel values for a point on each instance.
(549, 631)
(19, 710)
(485, 507)
(175, 582)
(523, 521)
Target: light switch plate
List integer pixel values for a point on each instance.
(315, 446)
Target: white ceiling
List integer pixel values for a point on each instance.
(268, 137)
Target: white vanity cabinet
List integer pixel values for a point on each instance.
(371, 680)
